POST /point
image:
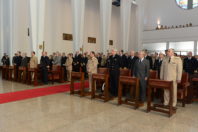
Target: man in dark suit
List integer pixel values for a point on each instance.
(131, 60)
(24, 61)
(76, 62)
(123, 59)
(141, 71)
(63, 61)
(17, 61)
(19, 58)
(44, 64)
(99, 57)
(158, 63)
(189, 64)
(83, 63)
(3, 59)
(114, 65)
(149, 58)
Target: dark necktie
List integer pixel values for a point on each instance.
(169, 60)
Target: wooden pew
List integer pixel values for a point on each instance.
(182, 88)
(55, 74)
(101, 76)
(22, 74)
(75, 77)
(133, 83)
(10, 72)
(4, 72)
(160, 84)
(32, 71)
(153, 74)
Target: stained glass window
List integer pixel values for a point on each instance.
(195, 3)
(187, 4)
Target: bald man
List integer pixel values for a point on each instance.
(171, 70)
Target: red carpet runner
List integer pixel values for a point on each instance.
(33, 93)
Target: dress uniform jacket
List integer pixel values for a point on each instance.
(92, 65)
(33, 62)
(171, 70)
(68, 63)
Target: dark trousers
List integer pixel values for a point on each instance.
(114, 78)
(65, 73)
(142, 89)
(17, 70)
(44, 75)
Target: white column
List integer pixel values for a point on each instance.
(78, 13)
(11, 6)
(1, 29)
(7, 26)
(125, 23)
(195, 47)
(36, 23)
(105, 23)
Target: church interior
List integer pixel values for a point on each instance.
(99, 66)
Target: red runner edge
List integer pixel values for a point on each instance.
(38, 92)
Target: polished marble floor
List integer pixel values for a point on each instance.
(65, 113)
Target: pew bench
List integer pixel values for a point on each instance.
(133, 83)
(78, 77)
(22, 74)
(160, 84)
(102, 76)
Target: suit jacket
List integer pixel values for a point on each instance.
(124, 62)
(33, 62)
(157, 64)
(189, 65)
(92, 65)
(68, 63)
(141, 69)
(17, 60)
(63, 60)
(114, 62)
(44, 62)
(150, 61)
(57, 60)
(14, 60)
(131, 62)
(24, 62)
(171, 69)
(3, 60)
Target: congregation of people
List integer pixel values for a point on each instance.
(169, 66)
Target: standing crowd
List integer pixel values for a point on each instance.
(169, 66)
